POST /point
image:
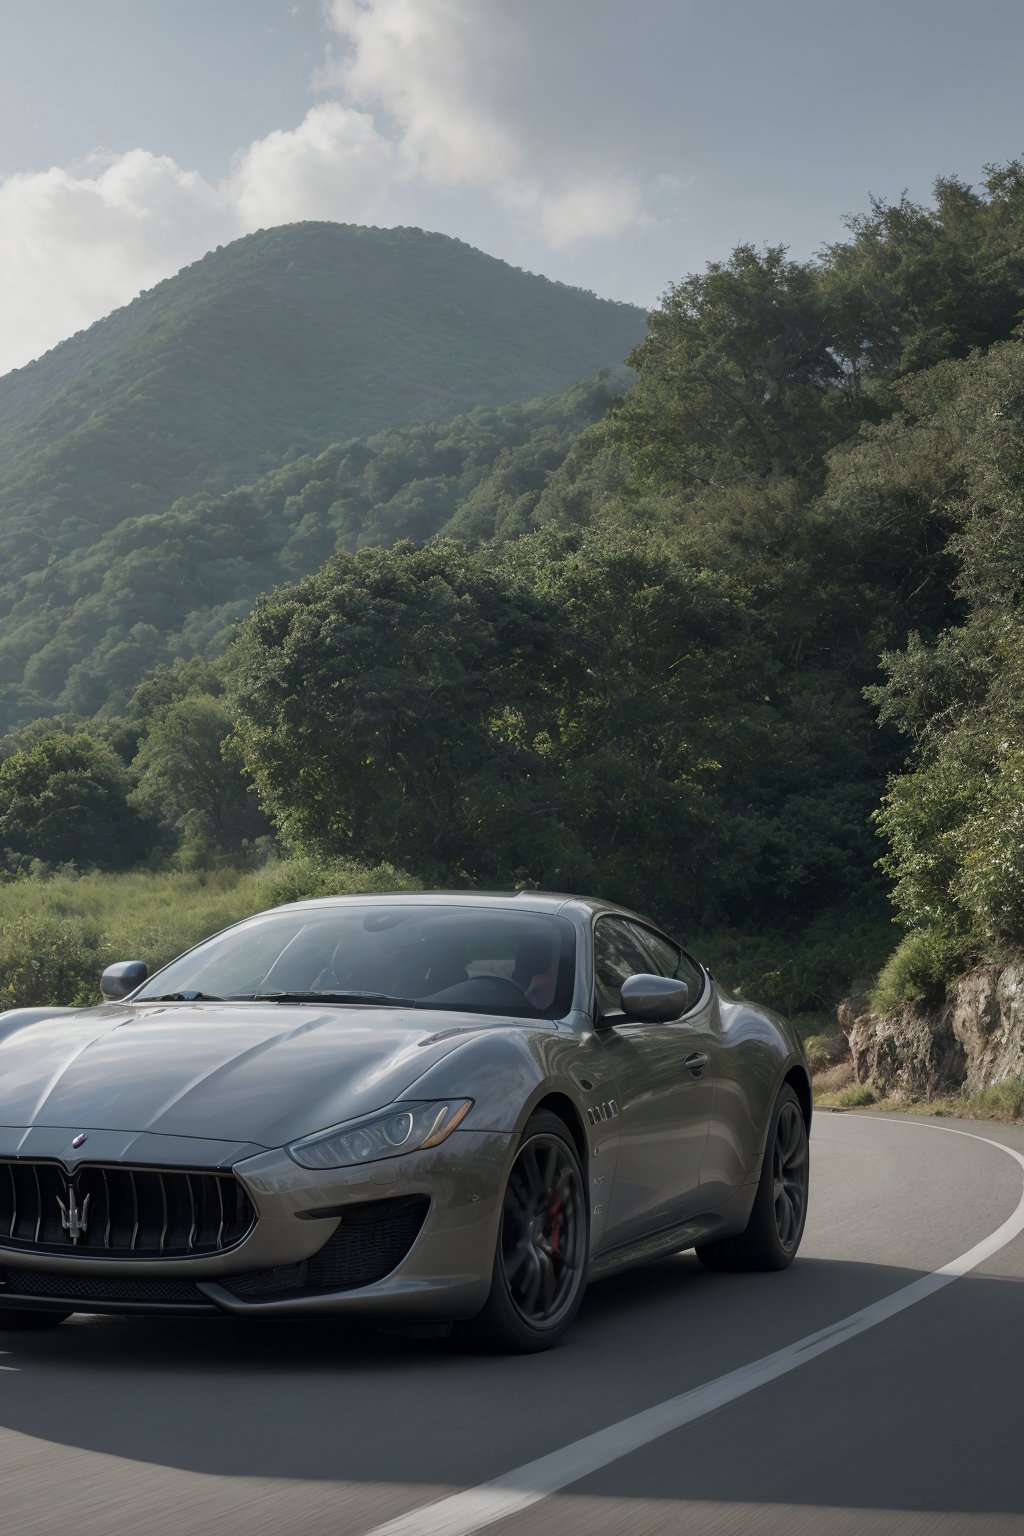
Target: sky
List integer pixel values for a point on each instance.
(613, 144)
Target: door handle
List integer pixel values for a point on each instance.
(696, 1062)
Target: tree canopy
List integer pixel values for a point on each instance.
(64, 800)
(80, 632)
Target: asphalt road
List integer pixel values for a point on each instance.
(914, 1423)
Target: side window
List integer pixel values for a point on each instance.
(618, 953)
(669, 960)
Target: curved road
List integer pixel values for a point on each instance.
(913, 1424)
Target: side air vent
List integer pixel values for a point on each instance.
(608, 1111)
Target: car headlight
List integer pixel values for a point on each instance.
(402, 1128)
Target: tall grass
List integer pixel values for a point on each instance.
(58, 933)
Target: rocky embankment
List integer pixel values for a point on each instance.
(975, 1039)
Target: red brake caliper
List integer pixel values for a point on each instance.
(554, 1219)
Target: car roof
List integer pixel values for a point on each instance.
(524, 901)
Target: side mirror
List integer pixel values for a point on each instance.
(121, 978)
(654, 998)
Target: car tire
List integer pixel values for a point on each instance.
(541, 1254)
(15, 1319)
(773, 1233)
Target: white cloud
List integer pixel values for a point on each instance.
(442, 94)
(453, 78)
(431, 66)
(592, 209)
(335, 165)
(73, 247)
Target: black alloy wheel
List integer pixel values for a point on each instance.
(779, 1212)
(789, 1176)
(540, 1263)
(542, 1227)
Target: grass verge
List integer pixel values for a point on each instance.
(1002, 1102)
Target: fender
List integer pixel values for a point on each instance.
(514, 1069)
(795, 1063)
(508, 1067)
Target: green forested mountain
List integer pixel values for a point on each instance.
(696, 654)
(298, 336)
(277, 345)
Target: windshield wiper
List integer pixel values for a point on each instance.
(377, 998)
(183, 997)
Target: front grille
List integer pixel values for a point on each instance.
(117, 1210)
(86, 1288)
(370, 1241)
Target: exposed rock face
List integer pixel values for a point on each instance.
(987, 1009)
(975, 1039)
(907, 1057)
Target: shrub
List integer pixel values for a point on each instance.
(859, 1096)
(919, 970)
(802, 971)
(827, 1048)
(46, 960)
(1001, 1101)
(305, 875)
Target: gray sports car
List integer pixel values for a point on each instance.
(427, 1108)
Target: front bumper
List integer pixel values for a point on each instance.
(444, 1273)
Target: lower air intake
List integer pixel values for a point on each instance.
(371, 1240)
(88, 1288)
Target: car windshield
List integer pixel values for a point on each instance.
(466, 959)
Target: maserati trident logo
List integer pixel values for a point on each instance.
(74, 1218)
(79, 1140)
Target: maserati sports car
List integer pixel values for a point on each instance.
(420, 1109)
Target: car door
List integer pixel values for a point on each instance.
(665, 1080)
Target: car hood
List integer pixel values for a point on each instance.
(247, 1073)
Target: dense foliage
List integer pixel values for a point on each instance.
(63, 799)
(955, 822)
(82, 631)
(671, 647)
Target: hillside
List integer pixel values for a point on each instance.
(79, 632)
(292, 338)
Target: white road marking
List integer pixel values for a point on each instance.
(462, 1514)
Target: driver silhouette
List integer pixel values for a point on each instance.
(536, 971)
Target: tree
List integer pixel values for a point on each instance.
(914, 286)
(737, 376)
(64, 799)
(189, 780)
(954, 821)
(370, 701)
